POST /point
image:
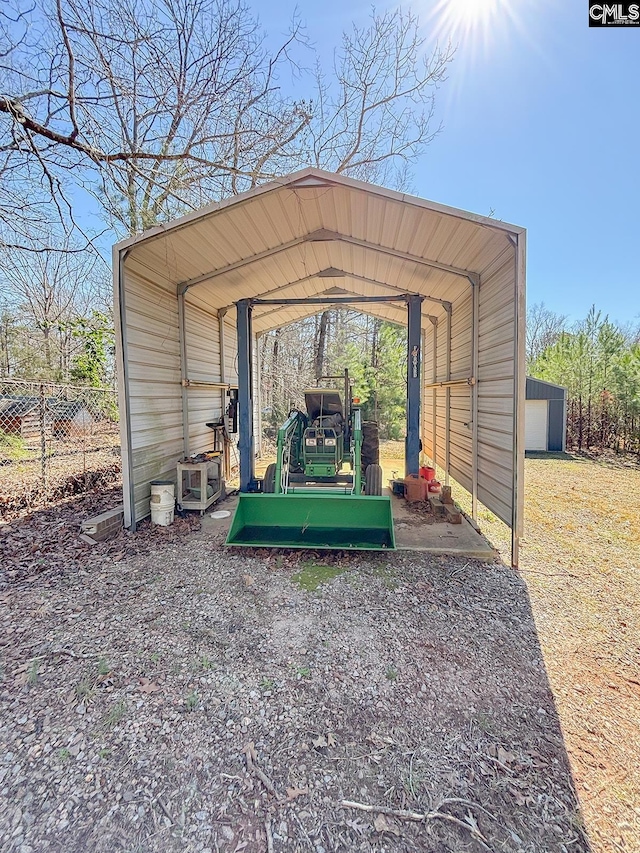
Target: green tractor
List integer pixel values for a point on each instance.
(325, 488)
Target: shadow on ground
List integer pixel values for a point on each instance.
(195, 698)
(556, 456)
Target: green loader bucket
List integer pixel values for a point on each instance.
(313, 521)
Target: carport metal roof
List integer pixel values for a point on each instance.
(319, 234)
(316, 233)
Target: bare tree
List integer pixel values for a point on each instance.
(374, 114)
(44, 293)
(544, 328)
(159, 106)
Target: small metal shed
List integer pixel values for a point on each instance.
(545, 416)
(193, 296)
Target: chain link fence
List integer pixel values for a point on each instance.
(55, 441)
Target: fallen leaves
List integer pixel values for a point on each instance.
(322, 742)
(294, 793)
(503, 756)
(382, 823)
(21, 488)
(47, 542)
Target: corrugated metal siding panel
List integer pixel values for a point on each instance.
(460, 455)
(204, 406)
(461, 337)
(203, 344)
(428, 395)
(203, 364)
(153, 352)
(231, 358)
(496, 385)
(231, 352)
(461, 439)
(438, 332)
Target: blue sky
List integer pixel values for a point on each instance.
(541, 120)
(541, 125)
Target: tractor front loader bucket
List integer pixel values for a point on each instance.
(313, 521)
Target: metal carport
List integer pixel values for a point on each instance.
(315, 234)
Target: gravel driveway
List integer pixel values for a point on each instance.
(162, 693)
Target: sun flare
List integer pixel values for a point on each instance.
(457, 18)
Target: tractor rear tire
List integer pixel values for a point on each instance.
(269, 481)
(370, 452)
(373, 480)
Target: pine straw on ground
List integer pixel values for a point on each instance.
(161, 692)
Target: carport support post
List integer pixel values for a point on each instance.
(245, 403)
(414, 340)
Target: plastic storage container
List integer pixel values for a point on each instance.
(163, 501)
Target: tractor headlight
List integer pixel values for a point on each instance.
(330, 442)
(310, 442)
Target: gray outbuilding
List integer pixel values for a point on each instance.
(545, 416)
(186, 293)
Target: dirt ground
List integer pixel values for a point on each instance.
(161, 692)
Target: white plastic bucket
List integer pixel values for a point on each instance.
(162, 502)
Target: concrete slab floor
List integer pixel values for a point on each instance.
(412, 531)
(415, 533)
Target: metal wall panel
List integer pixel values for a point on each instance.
(203, 365)
(155, 390)
(557, 425)
(457, 399)
(496, 388)
(155, 399)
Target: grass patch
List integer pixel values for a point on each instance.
(312, 574)
(116, 714)
(192, 701)
(12, 448)
(34, 669)
(84, 689)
